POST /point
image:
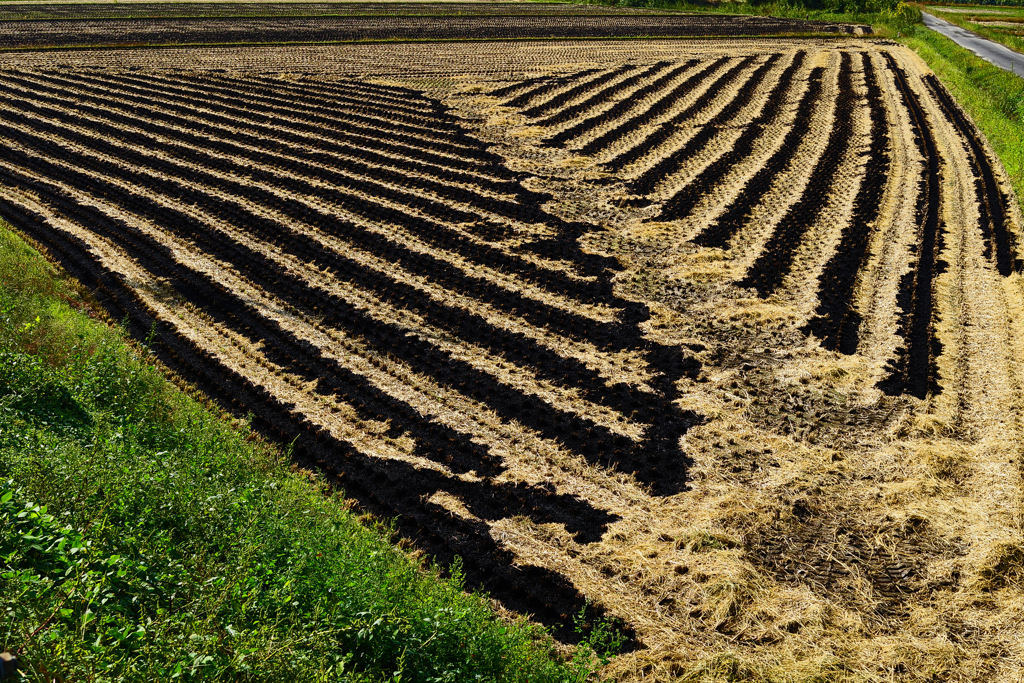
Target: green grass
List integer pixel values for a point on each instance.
(143, 537)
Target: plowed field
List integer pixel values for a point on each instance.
(720, 338)
(385, 25)
(218, 8)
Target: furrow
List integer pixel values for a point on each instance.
(600, 97)
(515, 87)
(769, 269)
(227, 93)
(391, 487)
(577, 90)
(681, 204)
(220, 301)
(368, 359)
(837, 322)
(520, 343)
(247, 96)
(624, 106)
(695, 82)
(496, 179)
(704, 103)
(720, 233)
(544, 88)
(914, 371)
(301, 209)
(507, 255)
(302, 169)
(231, 308)
(367, 127)
(325, 93)
(316, 151)
(642, 459)
(671, 164)
(390, 93)
(426, 148)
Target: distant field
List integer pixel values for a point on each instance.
(976, 9)
(245, 30)
(157, 10)
(981, 13)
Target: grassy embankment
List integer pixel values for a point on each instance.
(143, 537)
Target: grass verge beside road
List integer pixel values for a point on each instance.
(145, 538)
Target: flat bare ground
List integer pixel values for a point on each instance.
(723, 338)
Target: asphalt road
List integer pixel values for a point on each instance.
(990, 51)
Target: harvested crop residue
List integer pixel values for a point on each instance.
(722, 338)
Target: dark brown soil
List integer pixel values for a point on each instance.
(164, 10)
(124, 32)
